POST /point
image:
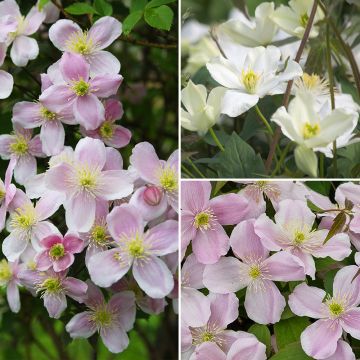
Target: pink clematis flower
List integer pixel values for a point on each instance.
(30, 115)
(202, 219)
(67, 36)
(58, 252)
(9, 278)
(78, 90)
(24, 149)
(7, 192)
(138, 250)
(293, 232)
(83, 181)
(336, 313)
(157, 172)
(17, 30)
(256, 271)
(27, 223)
(111, 134)
(6, 79)
(112, 320)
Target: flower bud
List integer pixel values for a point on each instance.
(153, 195)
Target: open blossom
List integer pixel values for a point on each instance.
(112, 319)
(293, 231)
(202, 111)
(7, 192)
(250, 75)
(110, 133)
(80, 91)
(138, 250)
(21, 146)
(58, 251)
(6, 79)
(336, 313)
(28, 223)
(67, 36)
(9, 279)
(256, 271)
(202, 219)
(17, 30)
(151, 169)
(84, 182)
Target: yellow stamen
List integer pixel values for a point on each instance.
(168, 179)
(250, 80)
(20, 146)
(107, 130)
(311, 131)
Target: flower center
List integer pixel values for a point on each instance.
(81, 87)
(99, 235)
(136, 247)
(207, 336)
(107, 130)
(299, 237)
(254, 272)
(336, 309)
(24, 218)
(87, 179)
(47, 114)
(168, 179)
(311, 131)
(80, 43)
(102, 317)
(57, 251)
(5, 272)
(250, 80)
(51, 285)
(2, 195)
(20, 146)
(202, 220)
(304, 18)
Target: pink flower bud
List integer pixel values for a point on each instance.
(153, 195)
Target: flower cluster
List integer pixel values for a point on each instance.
(260, 254)
(124, 221)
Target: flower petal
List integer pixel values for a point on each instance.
(89, 111)
(105, 85)
(13, 296)
(224, 309)
(91, 152)
(73, 67)
(235, 103)
(52, 136)
(27, 114)
(23, 50)
(105, 31)
(55, 304)
(123, 304)
(116, 185)
(80, 326)
(103, 62)
(7, 83)
(195, 307)
(163, 238)
(115, 339)
(61, 31)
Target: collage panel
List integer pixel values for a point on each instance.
(270, 89)
(270, 270)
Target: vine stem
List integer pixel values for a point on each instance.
(263, 119)
(217, 141)
(286, 98)
(196, 169)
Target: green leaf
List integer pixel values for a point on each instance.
(160, 17)
(238, 160)
(262, 333)
(42, 3)
(291, 352)
(337, 226)
(137, 5)
(313, 207)
(218, 186)
(289, 330)
(156, 3)
(329, 281)
(80, 9)
(131, 20)
(322, 187)
(103, 7)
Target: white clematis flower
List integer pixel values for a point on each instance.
(202, 111)
(250, 75)
(294, 18)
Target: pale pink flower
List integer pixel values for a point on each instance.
(9, 279)
(51, 11)
(58, 251)
(21, 146)
(112, 320)
(67, 36)
(7, 192)
(110, 133)
(80, 91)
(336, 313)
(293, 231)
(84, 182)
(202, 219)
(256, 271)
(163, 174)
(6, 79)
(17, 30)
(138, 250)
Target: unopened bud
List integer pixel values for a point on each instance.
(153, 195)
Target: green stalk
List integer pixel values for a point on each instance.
(196, 169)
(217, 141)
(263, 119)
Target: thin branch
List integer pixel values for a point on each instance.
(147, 43)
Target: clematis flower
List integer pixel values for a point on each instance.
(6, 79)
(30, 115)
(202, 111)
(58, 252)
(7, 192)
(201, 219)
(138, 250)
(112, 320)
(157, 172)
(28, 223)
(294, 18)
(19, 27)
(80, 91)
(21, 146)
(336, 313)
(51, 11)
(250, 75)
(256, 271)
(111, 134)
(67, 36)
(9, 279)
(293, 232)
(83, 182)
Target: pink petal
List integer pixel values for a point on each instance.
(120, 138)
(49, 241)
(35, 147)
(113, 110)
(114, 160)
(351, 322)
(116, 185)
(343, 352)
(114, 338)
(307, 260)
(94, 296)
(57, 177)
(195, 195)
(45, 82)
(43, 261)
(224, 309)
(105, 85)
(80, 326)
(186, 337)
(61, 31)
(66, 115)
(192, 272)
(55, 304)
(73, 244)
(103, 62)
(7, 83)
(23, 50)
(13, 246)
(33, 20)
(105, 31)
(73, 67)
(5, 142)
(13, 296)
(345, 286)
(25, 169)
(195, 307)
(91, 152)
(123, 304)
(10, 7)
(48, 205)
(75, 288)
(290, 210)
(56, 97)
(63, 263)
(153, 276)
(89, 111)
(41, 230)
(52, 137)
(27, 114)
(319, 340)
(247, 349)
(338, 248)
(264, 303)
(208, 351)
(308, 301)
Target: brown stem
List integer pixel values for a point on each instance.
(286, 98)
(147, 43)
